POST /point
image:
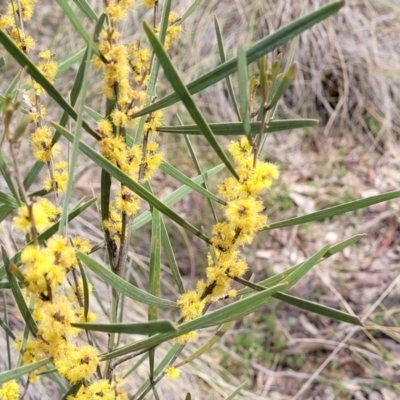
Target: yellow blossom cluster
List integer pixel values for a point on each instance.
(48, 67)
(134, 163)
(12, 22)
(9, 391)
(81, 244)
(44, 214)
(129, 159)
(100, 390)
(172, 373)
(173, 30)
(60, 177)
(42, 144)
(76, 363)
(118, 10)
(8, 22)
(126, 71)
(45, 271)
(243, 219)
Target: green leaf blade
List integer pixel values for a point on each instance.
(264, 46)
(236, 128)
(145, 328)
(110, 168)
(123, 286)
(184, 95)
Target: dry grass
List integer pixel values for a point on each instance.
(348, 77)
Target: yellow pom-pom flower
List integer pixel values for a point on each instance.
(76, 363)
(172, 373)
(9, 391)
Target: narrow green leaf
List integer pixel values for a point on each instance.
(296, 275)
(169, 357)
(69, 62)
(132, 185)
(8, 178)
(32, 174)
(189, 11)
(85, 287)
(175, 173)
(155, 68)
(105, 191)
(13, 85)
(199, 171)
(243, 90)
(93, 113)
(48, 233)
(5, 211)
(291, 276)
(76, 23)
(343, 244)
(224, 314)
(87, 10)
(172, 75)
(273, 280)
(97, 295)
(292, 52)
(154, 277)
(2, 63)
(32, 70)
(177, 195)
(319, 309)
(72, 391)
(307, 305)
(155, 262)
(169, 254)
(264, 46)
(24, 340)
(237, 390)
(8, 200)
(75, 91)
(6, 328)
(222, 57)
(236, 128)
(75, 144)
(18, 296)
(164, 21)
(123, 286)
(138, 363)
(283, 84)
(21, 371)
(335, 210)
(145, 328)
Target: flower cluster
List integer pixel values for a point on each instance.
(42, 144)
(243, 219)
(48, 67)
(125, 78)
(44, 214)
(44, 149)
(45, 271)
(100, 390)
(8, 23)
(59, 178)
(172, 373)
(9, 391)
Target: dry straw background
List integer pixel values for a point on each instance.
(348, 78)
